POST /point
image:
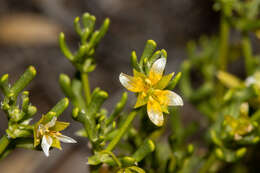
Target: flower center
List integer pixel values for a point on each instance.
(43, 130)
(148, 82)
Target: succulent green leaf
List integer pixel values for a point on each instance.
(4, 84)
(103, 29)
(77, 93)
(23, 81)
(97, 99)
(31, 111)
(134, 61)
(229, 80)
(88, 66)
(136, 169)
(148, 50)
(79, 57)
(25, 103)
(77, 26)
(88, 21)
(164, 53)
(146, 148)
(172, 84)
(118, 109)
(65, 85)
(58, 109)
(85, 35)
(64, 48)
(154, 57)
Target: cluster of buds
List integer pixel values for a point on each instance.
(83, 58)
(19, 114)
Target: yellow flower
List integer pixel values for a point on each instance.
(151, 91)
(238, 127)
(49, 134)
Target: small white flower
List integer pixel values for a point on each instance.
(250, 80)
(49, 134)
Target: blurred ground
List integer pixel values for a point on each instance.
(28, 36)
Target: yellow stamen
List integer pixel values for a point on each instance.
(148, 81)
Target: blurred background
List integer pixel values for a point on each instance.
(28, 36)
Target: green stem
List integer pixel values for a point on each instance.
(4, 142)
(122, 131)
(84, 77)
(247, 51)
(224, 39)
(223, 50)
(208, 163)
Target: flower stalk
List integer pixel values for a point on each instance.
(247, 51)
(208, 163)
(121, 131)
(224, 42)
(86, 87)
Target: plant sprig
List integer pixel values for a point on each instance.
(19, 112)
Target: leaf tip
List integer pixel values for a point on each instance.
(32, 70)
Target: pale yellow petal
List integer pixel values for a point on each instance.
(167, 97)
(134, 84)
(155, 112)
(174, 99)
(157, 69)
(138, 74)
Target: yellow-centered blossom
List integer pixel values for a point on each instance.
(238, 127)
(151, 91)
(48, 134)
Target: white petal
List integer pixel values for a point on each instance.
(158, 66)
(174, 99)
(133, 84)
(52, 122)
(46, 144)
(125, 80)
(26, 122)
(156, 72)
(250, 80)
(154, 112)
(66, 139)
